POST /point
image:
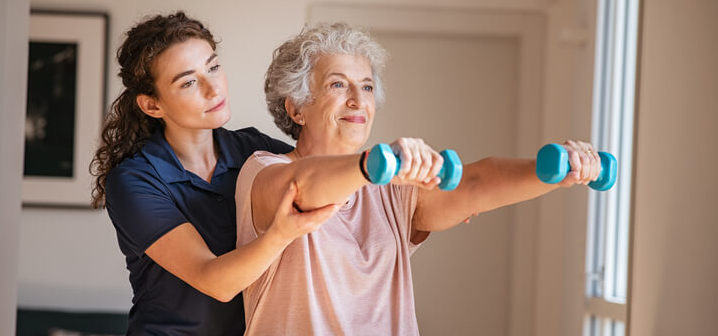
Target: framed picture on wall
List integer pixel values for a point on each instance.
(65, 105)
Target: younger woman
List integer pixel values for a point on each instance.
(167, 173)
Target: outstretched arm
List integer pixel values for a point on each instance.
(323, 180)
(495, 182)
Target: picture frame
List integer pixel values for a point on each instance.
(67, 85)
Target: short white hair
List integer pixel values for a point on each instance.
(292, 63)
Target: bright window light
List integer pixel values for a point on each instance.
(612, 131)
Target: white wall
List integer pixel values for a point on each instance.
(13, 65)
(675, 243)
(67, 252)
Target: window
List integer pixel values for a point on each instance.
(612, 131)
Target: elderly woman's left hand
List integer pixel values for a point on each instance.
(419, 163)
(584, 161)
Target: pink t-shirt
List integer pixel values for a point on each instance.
(350, 277)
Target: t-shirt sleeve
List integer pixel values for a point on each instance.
(406, 197)
(141, 209)
(243, 195)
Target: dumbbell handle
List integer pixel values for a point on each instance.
(382, 165)
(552, 165)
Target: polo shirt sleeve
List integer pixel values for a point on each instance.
(140, 207)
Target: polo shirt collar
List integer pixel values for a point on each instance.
(164, 160)
(229, 155)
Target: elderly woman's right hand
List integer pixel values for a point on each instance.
(289, 223)
(419, 163)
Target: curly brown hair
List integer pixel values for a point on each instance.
(126, 127)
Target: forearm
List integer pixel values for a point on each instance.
(226, 276)
(323, 180)
(485, 185)
(496, 182)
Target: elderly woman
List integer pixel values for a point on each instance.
(352, 274)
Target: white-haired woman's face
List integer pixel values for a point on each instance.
(340, 112)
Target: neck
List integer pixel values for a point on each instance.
(195, 149)
(306, 148)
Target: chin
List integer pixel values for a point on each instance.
(354, 145)
(221, 118)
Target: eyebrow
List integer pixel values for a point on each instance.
(366, 79)
(189, 72)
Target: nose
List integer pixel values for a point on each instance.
(211, 87)
(355, 99)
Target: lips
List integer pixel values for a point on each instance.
(218, 106)
(354, 119)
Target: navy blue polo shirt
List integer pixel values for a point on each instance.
(148, 195)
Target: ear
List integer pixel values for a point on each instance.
(293, 111)
(149, 106)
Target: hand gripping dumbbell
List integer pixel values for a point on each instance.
(552, 166)
(382, 165)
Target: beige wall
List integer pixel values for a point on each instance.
(461, 275)
(675, 244)
(13, 65)
(560, 232)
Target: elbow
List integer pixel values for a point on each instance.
(479, 184)
(217, 289)
(212, 279)
(222, 296)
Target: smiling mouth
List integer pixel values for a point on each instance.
(218, 106)
(354, 119)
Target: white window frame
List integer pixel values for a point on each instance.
(607, 240)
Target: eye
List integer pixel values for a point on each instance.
(368, 88)
(214, 68)
(337, 85)
(188, 83)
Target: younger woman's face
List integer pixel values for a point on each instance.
(191, 86)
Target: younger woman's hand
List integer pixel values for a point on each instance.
(419, 163)
(289, 223)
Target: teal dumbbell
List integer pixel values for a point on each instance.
(382, 165)
(552, 166)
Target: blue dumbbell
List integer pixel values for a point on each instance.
(382, 165)
(552, 166)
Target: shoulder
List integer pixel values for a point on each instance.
(255, 163)
(265, 158)
(132, 175)
(243, 133)
(250, 139)
(134, 166)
